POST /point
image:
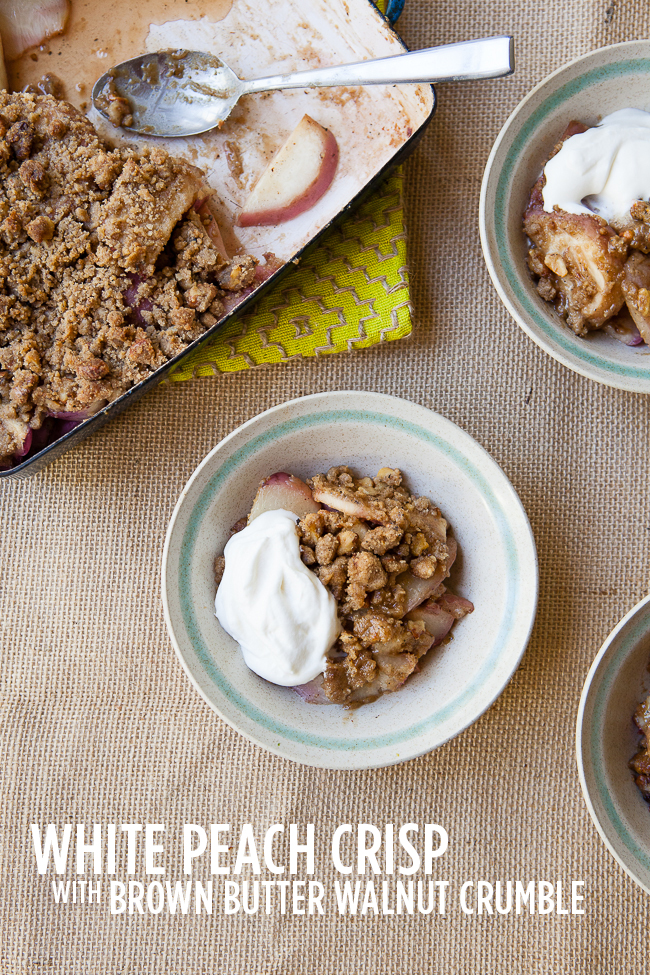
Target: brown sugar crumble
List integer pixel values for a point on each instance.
(108, 265)
(384, 554)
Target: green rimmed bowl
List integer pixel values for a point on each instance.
(496, 569)
(607, 739)
(586, 89)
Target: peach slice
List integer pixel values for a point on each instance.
(636, 287)
(313, 692)
(26, 23)
(458, 606)
(295, 179)
(437, 620)
(342, 500)
(394, 669)
(285, 491)
(204, 209)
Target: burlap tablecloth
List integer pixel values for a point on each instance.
(100, 724)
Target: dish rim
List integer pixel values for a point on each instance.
(558, 341)
(530, 576)
(583, 746)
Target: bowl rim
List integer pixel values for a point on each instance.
(527, 543)
(582, 745)
(579, 358)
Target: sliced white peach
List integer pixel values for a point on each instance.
(393, 671)
(338, 499)
(27, 23)
(458, 606)
(285, 491)
(417, 590)
(313, 692)
(437, 620)
(295, 179)
(204, 208)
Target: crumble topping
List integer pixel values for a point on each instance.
(109, 265)
(364, 568)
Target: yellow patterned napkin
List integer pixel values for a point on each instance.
(349, 291)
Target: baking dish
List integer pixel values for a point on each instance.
(375, 127)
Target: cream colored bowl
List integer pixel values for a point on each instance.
(496, 569)
(586, 89)
(607, 739)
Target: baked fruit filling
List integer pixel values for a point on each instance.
(595, 273)
(385, 555)
(111, 263)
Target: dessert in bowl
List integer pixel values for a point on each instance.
(588, 225)
(587, 90)
(496, 569)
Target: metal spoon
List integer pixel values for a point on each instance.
(181, 93)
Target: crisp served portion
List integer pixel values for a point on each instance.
(111, 262)
(588, 221)
(376, 553)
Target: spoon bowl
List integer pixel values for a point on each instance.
(169, 93)
(182, 93)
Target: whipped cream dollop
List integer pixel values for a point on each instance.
(279, 612)
(608, 166)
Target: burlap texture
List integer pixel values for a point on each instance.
(100, 724)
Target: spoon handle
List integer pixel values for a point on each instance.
(491, 57)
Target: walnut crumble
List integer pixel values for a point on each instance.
(109, 265)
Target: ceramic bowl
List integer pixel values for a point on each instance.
(586, 89)
(497, 570)
(607, 739)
